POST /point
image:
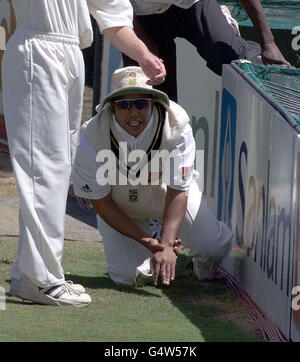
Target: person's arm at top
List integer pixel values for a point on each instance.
(144, 36)
(270, 52)
(125, 39)
(115, 21)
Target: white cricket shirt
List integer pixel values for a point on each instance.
(71, 17)
(148, 7)
(86, 167)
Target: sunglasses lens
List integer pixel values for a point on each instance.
(141, 103)
(126, 104)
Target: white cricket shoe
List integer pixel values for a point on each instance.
(77, 287)
(205, 268)
(144, 273)
(59, 295)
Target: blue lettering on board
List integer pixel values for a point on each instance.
(227, 157)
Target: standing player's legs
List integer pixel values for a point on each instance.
(37, 78)
(205, 26)
(161, 29)
(167, 52)
(208, 239)
(76, 70)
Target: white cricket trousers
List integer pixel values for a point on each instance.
(43, 84)
(200, 232)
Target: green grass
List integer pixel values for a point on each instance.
(188, 311)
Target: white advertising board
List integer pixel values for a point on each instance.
(250, 159)
(257, 188)
(295, 318)
(199, 93)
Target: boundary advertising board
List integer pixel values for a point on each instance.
(256, 196)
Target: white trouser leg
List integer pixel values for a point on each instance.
(201, 232)
(123, 255)
(42, 82)
(75, 97)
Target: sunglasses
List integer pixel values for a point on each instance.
(126, 104)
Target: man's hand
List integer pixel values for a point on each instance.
(164, 263)
(272, 55)
(125, 39)
(270, 52)
(153, 245)
(178, 247)
(154, 68)
(151, 64)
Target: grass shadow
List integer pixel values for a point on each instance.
(17, 301)
(104, 282)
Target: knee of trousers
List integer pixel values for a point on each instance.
(124, 278)
(223, 245)
(141, 275)
(222, 53)
(217, 246)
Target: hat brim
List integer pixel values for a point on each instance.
(137, 90)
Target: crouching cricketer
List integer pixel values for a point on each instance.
(135, 163)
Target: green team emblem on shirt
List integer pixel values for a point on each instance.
(133, 195)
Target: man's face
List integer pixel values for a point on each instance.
(133, 112)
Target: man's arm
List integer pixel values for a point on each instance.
(164, 262)
(115, 21)
(125, 39)
(144, 36)
(115, 217)
(270, 52)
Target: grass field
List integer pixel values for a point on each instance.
(188, 311)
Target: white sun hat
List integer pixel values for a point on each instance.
(132, 80)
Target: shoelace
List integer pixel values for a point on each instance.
(68, 288)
